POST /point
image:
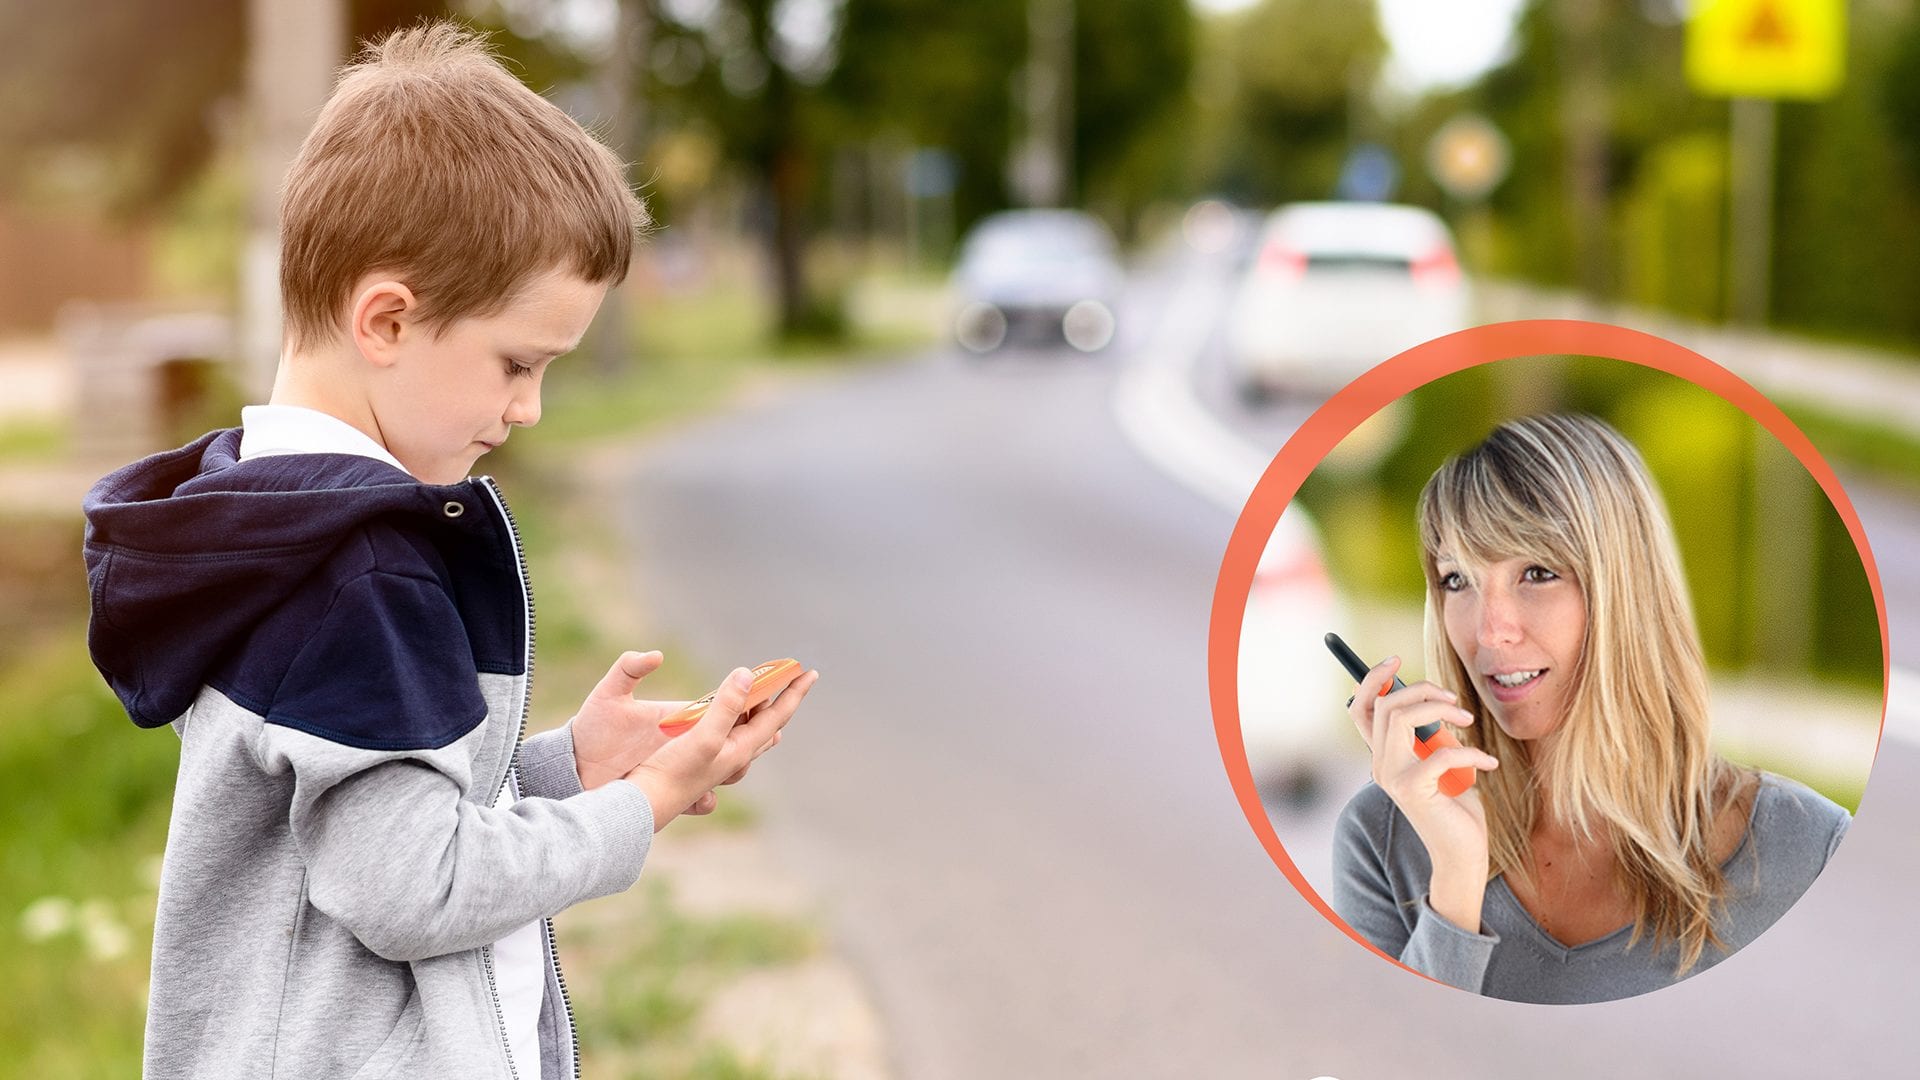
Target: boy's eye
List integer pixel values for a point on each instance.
(517, 370)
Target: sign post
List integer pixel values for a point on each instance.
(1756, 52)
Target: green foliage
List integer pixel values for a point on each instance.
(911, 72)
(85, 819)
(1900, 97)
(1290, 70)
(1673, 240)
(1847, 218)
(946, 75)
(661, 965)
(32, 439)
(1132, 62)
(1887, 453)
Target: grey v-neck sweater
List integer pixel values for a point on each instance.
(1381, 871)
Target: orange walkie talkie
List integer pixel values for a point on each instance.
(1426, 738)
(768, 679)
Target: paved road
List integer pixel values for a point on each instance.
(1007, 791)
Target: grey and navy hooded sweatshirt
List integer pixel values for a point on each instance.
(344, 653)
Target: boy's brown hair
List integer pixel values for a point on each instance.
(432, 162)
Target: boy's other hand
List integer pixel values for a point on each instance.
(719, 748)
(613, 732)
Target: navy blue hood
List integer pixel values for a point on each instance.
(189, 550)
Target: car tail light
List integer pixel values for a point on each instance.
(1280, 261)
(1436, 267)
(1298, 569)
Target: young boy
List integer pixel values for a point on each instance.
(364, 855)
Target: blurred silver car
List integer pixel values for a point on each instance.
(1037, 275)
(1335, 288)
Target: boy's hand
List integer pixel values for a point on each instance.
(718, 748)
(613, 732)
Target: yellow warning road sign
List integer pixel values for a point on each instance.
(1767, 48)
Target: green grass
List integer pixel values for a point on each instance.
(31, 440)
(1868, 446)
(84, 819)
(660, 964)
(1845, 789)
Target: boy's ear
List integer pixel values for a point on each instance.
(382, 318)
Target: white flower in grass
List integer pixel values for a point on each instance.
(46, 917)
(106, 938)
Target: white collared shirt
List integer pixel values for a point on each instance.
(520, 958)
(266, 430)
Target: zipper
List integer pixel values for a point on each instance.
(526, 700)
(499, 1013)
(565, 1004)
(526, 593)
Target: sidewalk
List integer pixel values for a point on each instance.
(1867, 384)
(812, 1017)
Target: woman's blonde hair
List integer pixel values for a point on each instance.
(1630, 761)
(432, 162)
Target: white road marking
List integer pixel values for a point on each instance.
(1156, 407)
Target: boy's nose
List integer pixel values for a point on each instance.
(525, 410)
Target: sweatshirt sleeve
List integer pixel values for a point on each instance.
(547, 769)
(376, 721)
(1380, 875)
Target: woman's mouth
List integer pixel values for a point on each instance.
(1511, 686)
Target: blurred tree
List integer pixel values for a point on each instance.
(915, 73)
(114, 104)
(1296, 74)
(110, 101)
(1632, 54)
(1900, 96)
(944, 75)
(1133, 62)
(743, 70)
(785, 86)
(1847, 210)
(1847, 203)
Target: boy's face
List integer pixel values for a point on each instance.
(441, 403)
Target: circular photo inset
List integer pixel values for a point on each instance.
(1556, 678)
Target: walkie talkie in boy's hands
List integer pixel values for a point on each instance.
(768, 680)
(1427, 738)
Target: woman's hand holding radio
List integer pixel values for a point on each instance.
(1453, 828)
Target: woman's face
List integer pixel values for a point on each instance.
(1518, 627)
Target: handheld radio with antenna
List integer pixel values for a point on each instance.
(1426, 738)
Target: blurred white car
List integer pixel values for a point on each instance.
(1335, 288)
(1292, 691)
(1037, 275)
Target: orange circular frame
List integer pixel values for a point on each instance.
(1382, 385)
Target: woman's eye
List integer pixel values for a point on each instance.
(1540, 573)
(1452, 581)
(519, 370)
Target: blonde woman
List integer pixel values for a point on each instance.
(1605, 849)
